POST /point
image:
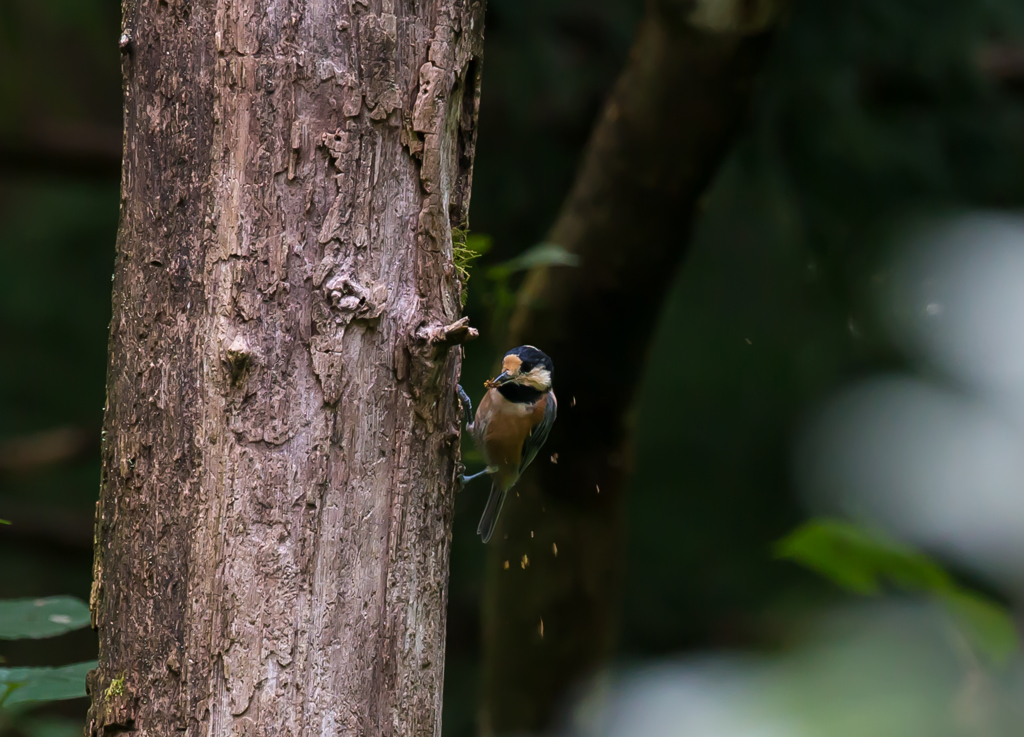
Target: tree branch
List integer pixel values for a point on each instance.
(667, 125)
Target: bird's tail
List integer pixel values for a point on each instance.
(490, 516)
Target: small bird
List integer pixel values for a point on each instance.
(511, 424)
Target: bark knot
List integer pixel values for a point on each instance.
(238, 358)
(354, 300)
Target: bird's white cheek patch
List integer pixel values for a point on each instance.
(539, 379)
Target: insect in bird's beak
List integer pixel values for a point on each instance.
(503, 378)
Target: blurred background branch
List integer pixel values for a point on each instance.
(76, 149)
(59, 445)
(665, 129)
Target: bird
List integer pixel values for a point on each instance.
(511, 424)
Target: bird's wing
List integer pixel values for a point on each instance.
(539, 435)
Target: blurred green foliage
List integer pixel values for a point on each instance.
(861, 560)
(31, 686)
(870, 112)
(26, 685)
(39, 618)
(498, 295)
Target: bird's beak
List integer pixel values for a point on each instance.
(503, 378)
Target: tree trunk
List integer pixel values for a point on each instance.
(549, 619)
(281, 430)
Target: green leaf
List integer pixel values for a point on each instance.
(37, 618)
(43, 684)
(986, 625)
(542, 254)
(861, 561)
(5, 522)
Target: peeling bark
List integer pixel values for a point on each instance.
(281, 430)
(667, 125)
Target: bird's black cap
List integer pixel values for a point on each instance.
(532, 357)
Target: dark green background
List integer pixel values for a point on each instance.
(869, 112)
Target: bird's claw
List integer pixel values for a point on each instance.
(475, 475)
(466, 402)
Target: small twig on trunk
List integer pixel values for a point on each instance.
(457, 333)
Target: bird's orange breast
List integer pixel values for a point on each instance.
(504, 430)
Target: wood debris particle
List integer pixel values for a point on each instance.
(506, 565)
(748, 341)
(525, 561)
(554, 549)
(531, 534)
(554, 458)
(598, 488)
(541, 628)
(573, 402)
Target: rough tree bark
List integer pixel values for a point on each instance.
(551, 618)
(280, 441)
